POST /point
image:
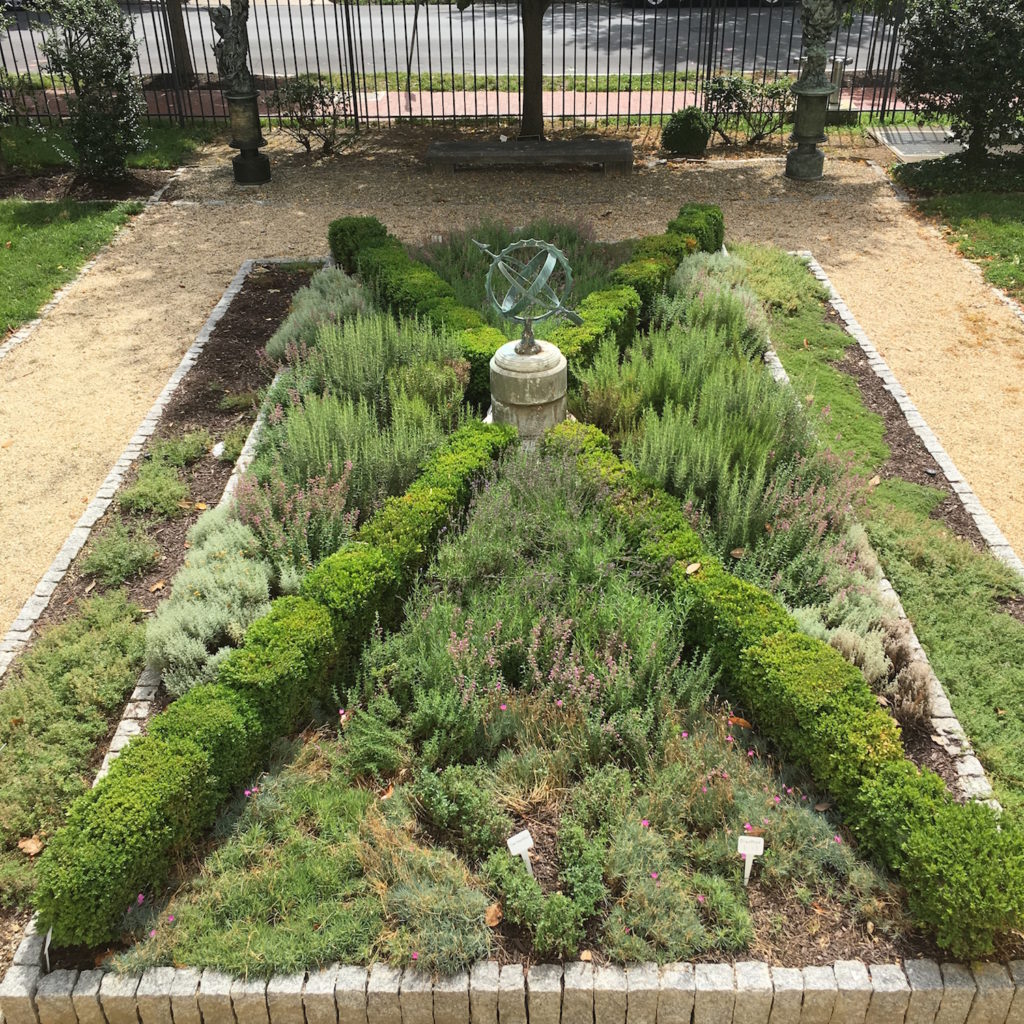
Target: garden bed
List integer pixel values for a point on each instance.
(547, 661)
(216, 403)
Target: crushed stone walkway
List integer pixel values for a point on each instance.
(72, 395)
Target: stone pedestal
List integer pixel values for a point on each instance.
(251, 167)
(528, 391)
(806, 162)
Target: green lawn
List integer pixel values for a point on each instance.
(43, 246)
(32, 148)
(989, 228)
(950, 590)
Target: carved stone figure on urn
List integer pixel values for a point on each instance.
(231, 52)
(820, 19)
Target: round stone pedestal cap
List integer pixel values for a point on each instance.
(509, 359)
(528, 380)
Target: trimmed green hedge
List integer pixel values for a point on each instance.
(704, 222)
(122, 837)
(962, 864)
(656, 258)
(410, 288)
(348, 236)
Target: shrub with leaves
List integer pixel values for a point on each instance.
(738, 104)
(961, 59)
(90, 44)
(311, 110)
(687, 132)
(297, 525)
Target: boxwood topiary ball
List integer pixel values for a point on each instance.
(687, 132)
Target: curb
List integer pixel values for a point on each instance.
(747, 992)
(23, 333)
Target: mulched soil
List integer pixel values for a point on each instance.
(926, 753)
(66, 184)
(1013, 606)
(232, 361)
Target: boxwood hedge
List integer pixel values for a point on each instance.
(962, 864)
(122, 837)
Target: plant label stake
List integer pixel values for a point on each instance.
(750, 847)
(520, 845)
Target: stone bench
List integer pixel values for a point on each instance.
(615, 156)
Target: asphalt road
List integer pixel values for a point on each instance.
(592, 39)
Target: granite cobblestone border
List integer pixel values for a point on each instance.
(945, 727)
(20, 635)
(23, 333)
(746, 992)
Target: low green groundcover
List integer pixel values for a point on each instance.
(538, 683)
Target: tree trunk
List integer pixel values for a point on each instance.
(181, 59)
(532, 14)
(977, 148)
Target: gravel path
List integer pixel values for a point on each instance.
(73, 393)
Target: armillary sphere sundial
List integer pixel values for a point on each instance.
(529, 280)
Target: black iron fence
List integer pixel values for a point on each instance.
(604, 61)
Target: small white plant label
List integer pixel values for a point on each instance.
(749, 847)
(520, 845)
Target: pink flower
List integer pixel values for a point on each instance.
(725, 775)
(170, 919)
(654, 875)
(701, 897)
(838, 839)
(685, 735)
(750, 753)
(728, 739)
(140, 899)
(644, 823)
(248, 792)
(626, 929)
(765, 820)
(152, 933)
(777, 799)
(747, 827)
(504, 707)
(497, 687)
(341, 711)
(804, 797)
(789, 791)
(558, 703)
(415, 955)
(703, 789)
(743, 856)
